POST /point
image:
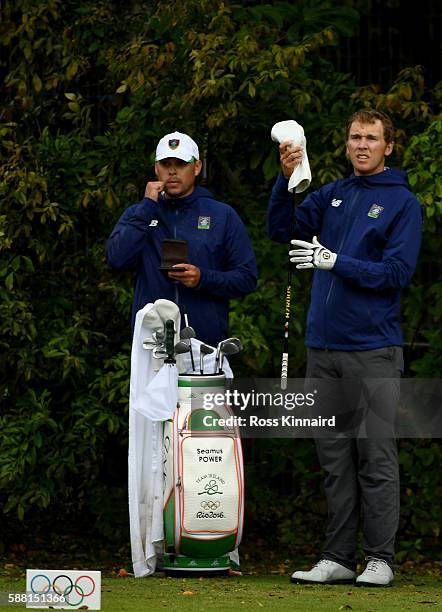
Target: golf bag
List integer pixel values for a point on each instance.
(203, 482)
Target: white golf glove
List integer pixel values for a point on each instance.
(312, 255)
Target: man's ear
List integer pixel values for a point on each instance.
(389, 148)
(198, 166)
(156, 169)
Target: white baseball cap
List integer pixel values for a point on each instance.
(177, 145)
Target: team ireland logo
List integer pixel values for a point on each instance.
(174, 143)
(375, 211)
(203, 222)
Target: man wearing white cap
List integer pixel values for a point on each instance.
(221, 263)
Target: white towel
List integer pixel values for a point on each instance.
(157, 399)
(291, 130)
(144, 462)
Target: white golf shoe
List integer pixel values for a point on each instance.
(325, 572)
(377, 574)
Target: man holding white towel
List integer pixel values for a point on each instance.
(361, 237)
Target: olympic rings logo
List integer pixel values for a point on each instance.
(63, 586)
(210, 504)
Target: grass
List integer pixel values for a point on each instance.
(252, 592)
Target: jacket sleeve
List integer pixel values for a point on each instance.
(308, 215)
(129, 235)
(399, 256)
(240, 274)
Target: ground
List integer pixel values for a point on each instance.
(416, 588)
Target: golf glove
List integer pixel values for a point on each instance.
(311, 255)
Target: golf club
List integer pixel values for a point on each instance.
(218, 350)
(227, 348)
(204, 350)
(158, 336)
(181, 347)
(236, 341)
(150, 344)
(169, 338)
(187, 333)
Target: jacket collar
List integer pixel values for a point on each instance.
(198, 192)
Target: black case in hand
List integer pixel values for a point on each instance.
(173, 252)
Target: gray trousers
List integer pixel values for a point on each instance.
(359, 457)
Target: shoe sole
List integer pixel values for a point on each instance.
(301, 581)
(373, 585)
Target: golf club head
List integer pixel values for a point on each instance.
(182, 347)
(158, 336)
(204, 350)
(159, 353)
(227, 348)
(150, 344)
(230, 348)
(187, 333)
(236, 341)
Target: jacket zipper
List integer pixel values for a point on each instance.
(177, 293)
(344, 236)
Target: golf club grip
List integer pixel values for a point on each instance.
(284, 369)
(169, 337)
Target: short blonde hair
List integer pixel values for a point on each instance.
(369, 115)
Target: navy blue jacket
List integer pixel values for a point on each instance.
(222, 252)
(374, 224)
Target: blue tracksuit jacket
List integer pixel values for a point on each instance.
(374, 224)
(222, 252)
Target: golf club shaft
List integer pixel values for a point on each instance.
(192, 361)
(285, 348)
(288, 310)
(218, 350)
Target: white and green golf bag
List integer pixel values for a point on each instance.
(203, 482)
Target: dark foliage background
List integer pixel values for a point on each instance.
(88, 88)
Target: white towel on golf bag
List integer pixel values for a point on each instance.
(145, 460)
(146, 451)
(291, 130)
(157, 399)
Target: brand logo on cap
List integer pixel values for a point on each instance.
(174, 143)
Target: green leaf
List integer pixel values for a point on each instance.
(9, 281)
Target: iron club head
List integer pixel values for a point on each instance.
(150, 344)
(227, 348)
(204, 350)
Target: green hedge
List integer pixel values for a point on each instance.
(90, 87)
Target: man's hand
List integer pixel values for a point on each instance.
(312, 255)
(190, 277)
(290, 156)
(153, 190)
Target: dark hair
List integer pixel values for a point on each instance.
(368, 115)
